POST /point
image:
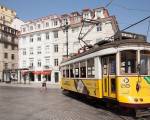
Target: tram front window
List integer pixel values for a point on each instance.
(128, 62)
(145, 62)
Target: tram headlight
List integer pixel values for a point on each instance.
(135, 100)
(141, 99)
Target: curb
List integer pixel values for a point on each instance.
(31, 85)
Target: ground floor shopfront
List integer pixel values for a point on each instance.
(27, 76)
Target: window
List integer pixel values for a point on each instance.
(55, 23)
(31, 39)
(99, 27)
(128, 61)
(31, 51)
(13, 66)
(5, 55)
(38, 38)
(47, 61)
(55, 34)
(39, 26)
(76, 65)
(63, 72)
(83, 69)
(112, 65)
(86, 15)
(71, 71)
(39, 63)
(47, 24)
(12, 56)
(55, 48)
(47, 49)
(39, 50)
(13, 47)
(24, 64)
(105, 65)
(24, 51)
(145, 62)
(5, 65)
(31, 63)
(31, 27)
(99, 13)
(90, 68)
(47, 36)
(24, 29)
(67, 71)
(56, 62)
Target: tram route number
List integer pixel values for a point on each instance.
(125, 85)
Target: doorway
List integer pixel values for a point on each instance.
(109, 76)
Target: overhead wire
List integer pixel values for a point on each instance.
(108, 4)
(135, 23)
(131, 9)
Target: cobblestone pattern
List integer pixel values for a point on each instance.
(31, 104)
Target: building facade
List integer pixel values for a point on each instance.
(8, 49)
(6, 15)
(42, 43)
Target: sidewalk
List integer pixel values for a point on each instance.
(31, 85)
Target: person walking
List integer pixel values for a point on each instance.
(44, 87)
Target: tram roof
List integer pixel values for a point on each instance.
(114, 44)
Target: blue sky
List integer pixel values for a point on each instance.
(126, 11)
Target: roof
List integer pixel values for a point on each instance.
(114, 44)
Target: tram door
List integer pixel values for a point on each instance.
(109, 76)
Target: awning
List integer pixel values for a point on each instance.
(24, 72)
(44, 72)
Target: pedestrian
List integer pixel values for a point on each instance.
(44, 87)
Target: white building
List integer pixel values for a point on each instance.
(42, 43)
(16, 24)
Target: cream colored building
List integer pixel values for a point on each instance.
(42, 44)
(6, 15)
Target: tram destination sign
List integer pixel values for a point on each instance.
(129, 35)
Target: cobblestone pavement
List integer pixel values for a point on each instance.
(20, 103)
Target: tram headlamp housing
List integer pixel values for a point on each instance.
(141, 99)
(135, 100)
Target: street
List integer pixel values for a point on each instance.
(18, 103)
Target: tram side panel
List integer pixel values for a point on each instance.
(91, 87)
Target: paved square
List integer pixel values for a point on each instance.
(31, 104)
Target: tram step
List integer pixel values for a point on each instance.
(143, 112)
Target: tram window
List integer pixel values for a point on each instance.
(71, 71)
(83, 69)
(128, 61)
(76, 70)
(105, 66)
(112, 65)
(67, 71)
(64, 72)
(145, 62)
(113, 85)
(90, 68)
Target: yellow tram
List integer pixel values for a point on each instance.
(117, 70)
